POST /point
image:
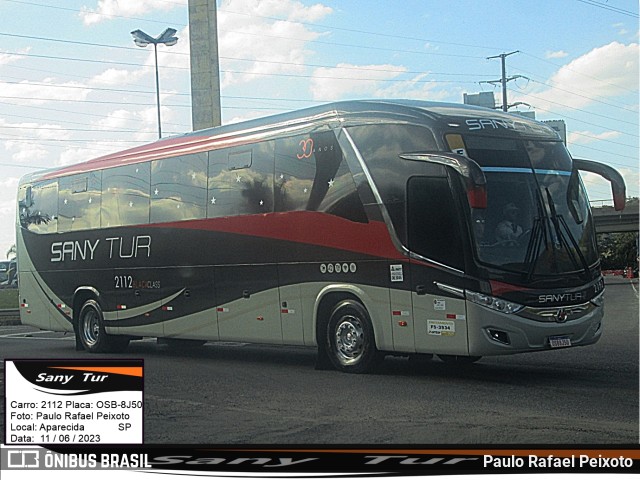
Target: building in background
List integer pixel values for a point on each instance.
(487, 100)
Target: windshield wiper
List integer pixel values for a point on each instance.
(533, 248)
(563, 232)
(538, 235)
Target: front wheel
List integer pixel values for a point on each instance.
(350, 340)
(92, 334)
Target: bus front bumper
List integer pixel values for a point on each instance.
(494, 333)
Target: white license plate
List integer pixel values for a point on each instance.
(559, 342)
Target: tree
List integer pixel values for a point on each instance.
(618, 250)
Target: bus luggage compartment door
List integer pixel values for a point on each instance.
(248, 303)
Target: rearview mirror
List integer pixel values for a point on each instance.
(618, 186)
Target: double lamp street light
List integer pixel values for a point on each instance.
(167, 38)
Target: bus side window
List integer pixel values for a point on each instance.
(125, 195)
(433, 223)
(241, 180)
(295, 171)
(178, 188)
(40, 214)
(79, 200)
(312, 174)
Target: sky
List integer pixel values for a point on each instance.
(73, 86)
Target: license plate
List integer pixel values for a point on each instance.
(560, 341)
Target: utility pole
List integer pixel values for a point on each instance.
(504, 80)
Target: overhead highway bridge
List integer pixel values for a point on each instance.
(607, 220)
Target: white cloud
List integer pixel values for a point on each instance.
(256, 45)
(146, 121)
(26, 154)
(621, 28)
(374, 81)
(604, 72)
(41, 131)
(36, 93)
(115, 76)
(292, 10)
(8, 210)
(6, 58)
(558, 54)
(585, 137)
(107, 9)
(347, 79)
(10, 183)
(72, 156)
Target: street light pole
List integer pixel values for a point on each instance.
(155, 52)
(167, 38)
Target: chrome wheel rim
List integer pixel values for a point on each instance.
(90, 327)
(349, 339)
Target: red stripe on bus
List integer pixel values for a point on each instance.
(310, 228)
(499, 288)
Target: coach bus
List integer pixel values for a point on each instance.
(363, 228)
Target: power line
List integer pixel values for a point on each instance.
(76, 11)
(611, 8)
(351, 30)
(578, 72)
(59, 110)
(604, 139)
(268, 62)
(90, 60)
(573, 92)
(279, 19)
(271, 62)
(105, 102)
(582, 111)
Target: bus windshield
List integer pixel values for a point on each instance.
(537, 219)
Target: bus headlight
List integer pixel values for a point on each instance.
(493, 303)
(598, 300)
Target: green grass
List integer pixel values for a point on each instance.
(8, 298)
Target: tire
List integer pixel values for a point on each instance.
(350, 340)
(92, 334)
(458, 359)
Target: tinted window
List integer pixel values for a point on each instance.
(179, 188)
(380, 145)
(501, 152)
(241, 180)
(434, 230)
(311, 174)
(39, 207)
(79, 200)
(125, 195)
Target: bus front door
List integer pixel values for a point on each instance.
(435, 240)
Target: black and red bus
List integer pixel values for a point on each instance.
(361, 228)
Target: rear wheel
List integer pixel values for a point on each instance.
(92, 334)
(350, 340)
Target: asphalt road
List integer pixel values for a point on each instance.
(232, 393)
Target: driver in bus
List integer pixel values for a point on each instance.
(508, 229)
